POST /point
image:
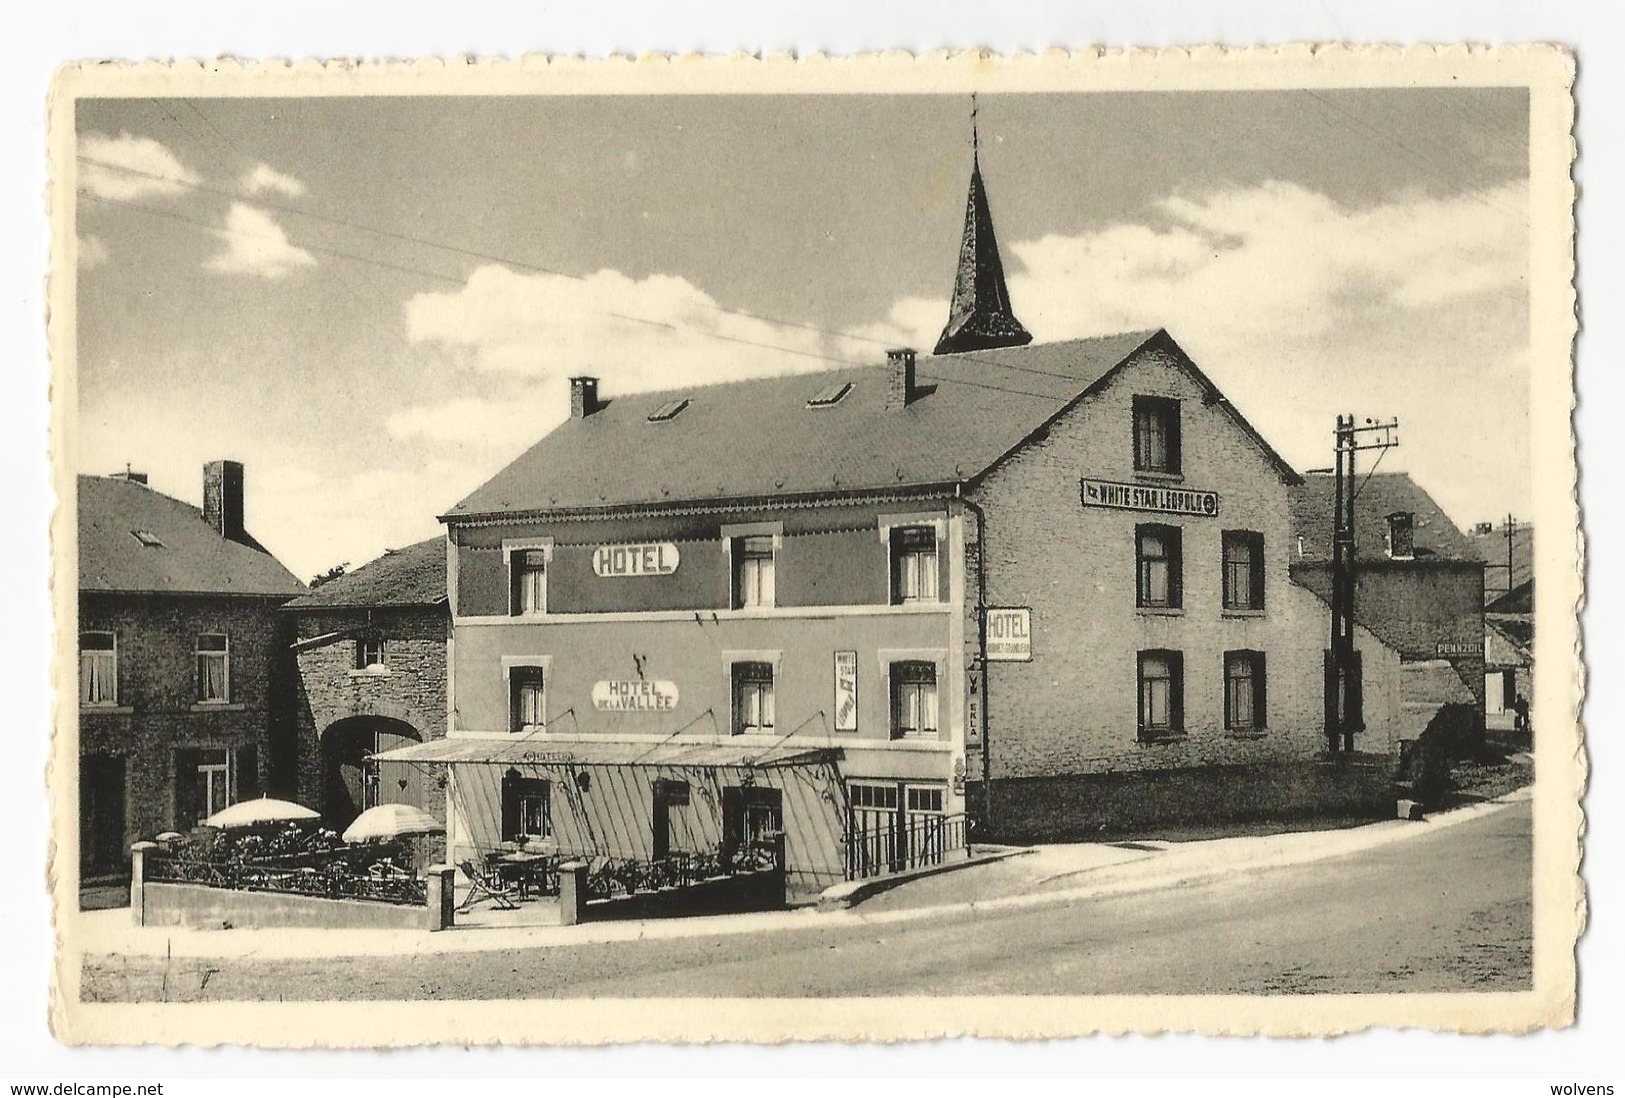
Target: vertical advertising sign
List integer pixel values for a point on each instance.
(846, 691)
(973, 706)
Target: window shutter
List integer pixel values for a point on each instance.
(1257, 564)
(1176, 566)
(1176, 703)
(1260, 719)
(510, 805)
(247, 778)
(1176, 457)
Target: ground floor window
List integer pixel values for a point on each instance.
(1244, 691)
(893, 826)
(1162, 692)
(208, 779)
(527, 807)
(913, 699)
(752, 818)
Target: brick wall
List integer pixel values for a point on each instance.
(158, 712)
(1073, 708)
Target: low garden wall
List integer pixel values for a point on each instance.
(759, 891)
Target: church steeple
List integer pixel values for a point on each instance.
(979, 316)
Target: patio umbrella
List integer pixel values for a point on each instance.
(391, 821)
(262, 811)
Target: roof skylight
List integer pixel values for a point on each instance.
(147, 538)
(830, 395)
(668, 410)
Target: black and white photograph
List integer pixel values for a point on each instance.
(940, 546)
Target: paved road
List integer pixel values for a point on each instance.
(1448, 911)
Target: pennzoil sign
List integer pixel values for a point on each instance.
(1148, 497)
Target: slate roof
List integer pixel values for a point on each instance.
(758, 439)
(979, 313)
(1435, 537)
(189, 557)
(1493, 548)
(413, 576)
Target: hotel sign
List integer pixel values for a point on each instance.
(1009, 634)
(634, 695)
(1148, 497)
(846, 691)
(657, 559)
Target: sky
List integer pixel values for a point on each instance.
(375, 303)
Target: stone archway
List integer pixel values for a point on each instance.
(353, 783)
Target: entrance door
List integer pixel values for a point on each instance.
(101, 814)
(751, 815)
(668, 794)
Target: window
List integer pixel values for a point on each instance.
(1157, 549)
(753, 572)
(1244, 691)
(1243, 570)
(830, 395)
(1156, 435)
(753, 697)
(148, 538)
(527, 692)
(913, 699)
(913, 564)
(1162, 695)
(529, 581)
(208, 779)
(213, 667)
(369, 653)
(98, 669)
(671, 409)
(527, 807)
(924, 825)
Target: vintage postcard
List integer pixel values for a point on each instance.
(693, 549)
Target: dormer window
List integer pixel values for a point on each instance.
(1402, 535)
(147, 538)
(670, 410)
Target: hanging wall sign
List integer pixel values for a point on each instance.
(1148, 497)
(973, 706)
(1009, 634)
(846, 691)
(655, 559)
(634, 695)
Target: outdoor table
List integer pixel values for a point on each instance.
(521, 865)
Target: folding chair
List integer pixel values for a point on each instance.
(482, 886)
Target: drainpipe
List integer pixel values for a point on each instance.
(981, 644)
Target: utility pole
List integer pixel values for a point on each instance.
(1344, 709)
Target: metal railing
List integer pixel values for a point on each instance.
(335, 881)
(876, 846)
(609, 877)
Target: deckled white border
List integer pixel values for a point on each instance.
(1560, 766)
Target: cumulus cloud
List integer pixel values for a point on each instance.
(262, 177)
(92, 252)
(256, 245)
(125, 168)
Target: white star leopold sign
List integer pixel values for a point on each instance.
(1148, 497)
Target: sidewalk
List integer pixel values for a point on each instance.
(1047, 875)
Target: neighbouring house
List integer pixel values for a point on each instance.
(371, 654)
(1419, 587)
(185, 674)
(1050, 584)
(1509, 619)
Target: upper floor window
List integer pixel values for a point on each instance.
(913, 699)
(369, 653)
(213, 667)
(1243, 570)
(1244, 691)
(527, 699)
(1162, 694)
(1156, 435)
(913, 564)
(529, 579)
(1158, 557)
(98, 668)
(753, 572)
(753, 697)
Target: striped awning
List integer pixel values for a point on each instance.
(557, 751)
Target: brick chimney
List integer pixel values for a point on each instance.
(583, 397)
(223, 498)
(1401, 535)
(901, 391)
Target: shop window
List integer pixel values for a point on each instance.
(752, 697)
(913, 564)
(213, 667)
(913, 699)
(527, 692)
(1159, 567)
(753, 572)
(529, 581)
(369, 653)
(1243, 570)
(98, 668)
(1244, 691)
(527, 807)
(1156, 435)
(1162, 691)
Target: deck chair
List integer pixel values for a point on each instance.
(484, 886)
